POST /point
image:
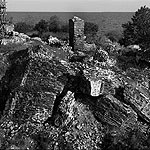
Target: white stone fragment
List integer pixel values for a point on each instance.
(95, 87)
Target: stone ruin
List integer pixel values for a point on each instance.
(76, 36)
(6, 28)
(76, 33)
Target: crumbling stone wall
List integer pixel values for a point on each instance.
(76, 33)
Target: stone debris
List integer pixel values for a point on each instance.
(136, 47)
(89, 47)
(96, 87)
(17, 38)
(39, 40)
(53, 41)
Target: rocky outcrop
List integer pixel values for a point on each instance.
(33, 89)
(51, 103)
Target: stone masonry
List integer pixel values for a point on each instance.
(76, 33)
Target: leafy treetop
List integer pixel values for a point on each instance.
(137, 31)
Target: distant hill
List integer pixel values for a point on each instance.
(107, 21)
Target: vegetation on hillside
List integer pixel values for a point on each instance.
(23, 27)
(54, 26)
(137, 31)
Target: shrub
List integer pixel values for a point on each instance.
(52, 27)
(54, 24)
(127, 59)
(65, 28)
(44, 36)
(23, 27)
(137, 31)
(41, 26)
(62, 36)
(90, 28)
(114, 35)
(104, 43)
(92, 39)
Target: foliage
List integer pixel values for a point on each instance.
(137, 31)
(92, 39)
(55, 27)
(54, 24)
(90, 28)
(65, 27)
(23, 27)
(41, 26)
(29, 20)
(103, 42)
(114, 35)
(125, 61)
(60, 35)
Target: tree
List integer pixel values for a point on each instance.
(137, 31)
(65, 28)
(11, 20)
(41, 26)
(29, 20)
(114, 35)
(54, 24)
(90, 28)
(23, 27)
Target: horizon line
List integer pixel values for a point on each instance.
(76, 11)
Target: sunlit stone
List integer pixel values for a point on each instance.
(96, 87)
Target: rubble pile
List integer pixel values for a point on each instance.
(89, 47)
(16, 38)
(53, 41)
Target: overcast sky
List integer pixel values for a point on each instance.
(76, 5)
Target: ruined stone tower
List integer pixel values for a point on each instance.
(2, 16)
(76, 33)
(2, 11)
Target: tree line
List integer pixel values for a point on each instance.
(136, 31)
(55, 25)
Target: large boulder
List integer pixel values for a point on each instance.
(29, 87)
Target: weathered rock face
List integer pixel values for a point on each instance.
(32, 90)
(29, 87)
(10, 81)
(50, 103)
(32, 80)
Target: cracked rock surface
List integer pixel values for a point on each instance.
(49, 103)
